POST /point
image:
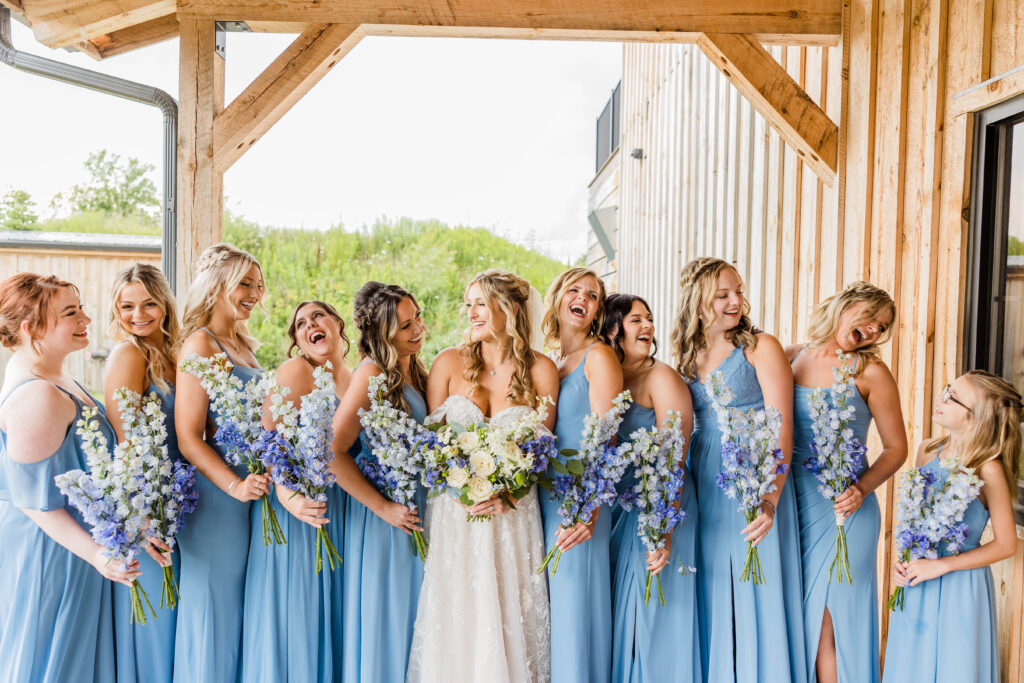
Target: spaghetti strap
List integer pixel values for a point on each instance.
(20, 385)
(797, 354)
(219, 344)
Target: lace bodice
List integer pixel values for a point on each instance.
(458, 409)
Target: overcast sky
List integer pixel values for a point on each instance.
(498, 134)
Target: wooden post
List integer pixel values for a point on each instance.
(200, 184)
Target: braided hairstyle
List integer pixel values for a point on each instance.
(375, 313)
(220, 269)
(510, 294)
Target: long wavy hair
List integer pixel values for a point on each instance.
(698, 283)
(331, 311)
(158, 358)
(826, 315)
(221, 268)
(994, 427)
(375, 313)
(506, 292)
(617, 307)
(550, 324)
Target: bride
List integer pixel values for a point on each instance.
(483, 609)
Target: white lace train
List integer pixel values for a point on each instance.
(483, 609)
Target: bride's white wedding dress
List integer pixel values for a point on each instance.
(483, 610)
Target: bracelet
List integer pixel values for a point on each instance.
(237, 479)
(769, 504)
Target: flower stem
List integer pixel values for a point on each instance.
(169, 591)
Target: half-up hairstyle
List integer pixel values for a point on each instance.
(617, 308)
(506, 292)
(994, 428)
(550, 323)
(159, 359)
(221, 268)
(698, 283)
(27, 297)
(331, 311)
(375, 313)
(826, 315)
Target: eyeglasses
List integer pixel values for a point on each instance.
(947, 397)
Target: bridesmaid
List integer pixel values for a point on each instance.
(145, 320)
(55, 610)
(840, 619)
(589, 378)
(947, 632)
(652, 642)
(382, 573)
(214, 544)
(289, 621)
(748, 633)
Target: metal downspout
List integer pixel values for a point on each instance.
(119, 87)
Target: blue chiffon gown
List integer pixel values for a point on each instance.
(56, 620)
(653, 643)
(749, 633)
(580, 591)
(854, 608)
(947, 630)
(382, 576)
(289, 632)
(214, 548)
(145, 652)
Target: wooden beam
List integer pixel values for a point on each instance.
(562, 18)
(200, 185)
(989, 93)
(278, 88)
(79, 20)
(148, 33)
(778, 98)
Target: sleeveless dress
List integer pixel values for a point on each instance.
(854, 608)
(56, 621)
(749, 633)
(580, 591)
(653, 643)
(382, 576)
(214, 549)
(145, 652)
(947, 631)
(483, 610)
(288, 633)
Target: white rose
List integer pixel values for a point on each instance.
(469, 441)
(480, 489)
(482, 463)
(509, 451)
(458, 477)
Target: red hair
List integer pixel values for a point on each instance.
(27, 297)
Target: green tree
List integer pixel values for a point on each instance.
(114, 187)
(17, 211)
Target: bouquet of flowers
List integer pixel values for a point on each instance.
(587, 479)
(298, 452)
(656, 453)
(751, 459)
(836, 454)
(165, 489)
(931, 514)
(237, 410)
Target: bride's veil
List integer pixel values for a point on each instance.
(535, 312)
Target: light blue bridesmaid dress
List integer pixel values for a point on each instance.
(749, 633)
(56, 617)
(214, 548)
(854, 608)
(580, 591)
(289, 632)
(145, 652)
(947, 632)
(382, 576)
(653, 643)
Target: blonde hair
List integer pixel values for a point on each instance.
(510, 294)
(994, 427)
(550, 324)
(375, 313)
(698, 283)
(220, 269)
(826, 315)
(160, 358)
